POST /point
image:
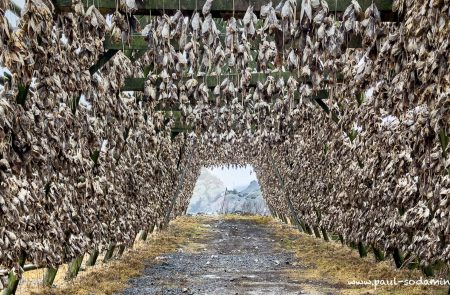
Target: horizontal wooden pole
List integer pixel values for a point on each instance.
(220, 8)
(138, 42)
(137, 84)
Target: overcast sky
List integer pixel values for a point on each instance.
(233, 178)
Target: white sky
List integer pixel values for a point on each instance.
(233, 178)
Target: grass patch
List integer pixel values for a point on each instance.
(335, 264)
(258, 219)
(113, 276)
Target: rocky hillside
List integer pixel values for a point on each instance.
(211, 197)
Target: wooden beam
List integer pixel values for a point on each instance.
(137, 84)
(74, 268)
(93, 257)
(220, 8)
(180, 184)
(13, 278)
(288, 199)
(103, 59)
(109, 252)
(49, 277)
(138, 42)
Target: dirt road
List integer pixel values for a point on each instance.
(236, 257)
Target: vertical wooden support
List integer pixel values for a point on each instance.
(341, 238)
(13, 278)
(121, 250)
(307, 228)
(180, 183)
(316, 232)
(428, 270)
(362, 250)
(398, 258)
(145, 232)
(74, 268)
(379, 254)
(92, 257)
(49, 277)
(109, 252)
(324, 234)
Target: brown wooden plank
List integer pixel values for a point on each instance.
(220, 8)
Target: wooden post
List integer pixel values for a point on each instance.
(324, 234)
(308, 229)
(316, 232)
(379, 255)
(13, 278)
(428, 270)
(49, 277)
(145, 232)
(121, 250)
(297, 224)
(362, 250)
(74, 268)
(109, 252)
(92, 257)
(398, 258)
(341, 238)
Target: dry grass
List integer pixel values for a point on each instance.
(328, 265)
(113, 276)
(336, 265)
(258, 219)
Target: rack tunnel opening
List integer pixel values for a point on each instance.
(227, 190)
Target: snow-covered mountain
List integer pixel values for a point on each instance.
(211, 197)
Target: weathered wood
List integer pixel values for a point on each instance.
(138, 42)
(103, 59)
(13, 277)
(288, 199)
(137, 84)
(74, 268)
(92, 257)
(307, 228)
(121, 250)
(28, 267)
(362, 250)
(324, 107)
(220, 8)
(180, 183)
(325, 234)
(428, 270)
(109, 252)
(379, 254)
(49, 276)
(22, 95)
(317, 232)
(145, 232)
(398, 257)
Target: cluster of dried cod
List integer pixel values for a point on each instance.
(373, 168)
(81, 165)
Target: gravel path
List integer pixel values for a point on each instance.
(237, 257)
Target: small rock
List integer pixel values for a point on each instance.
(185, 290)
